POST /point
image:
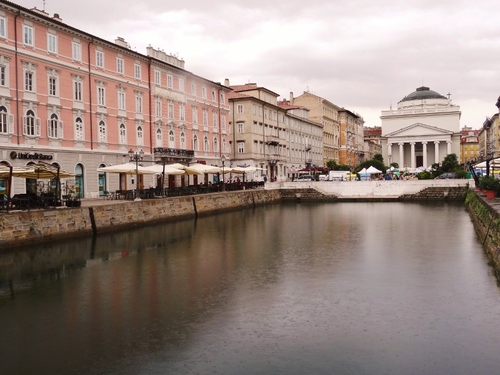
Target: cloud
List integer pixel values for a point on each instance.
(360, 54)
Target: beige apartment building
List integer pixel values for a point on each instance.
(258, 135)
(326, 113)
(352, 139)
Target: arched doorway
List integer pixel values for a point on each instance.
(102, 181)
(79, 182)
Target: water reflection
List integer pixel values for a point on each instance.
(326, 288)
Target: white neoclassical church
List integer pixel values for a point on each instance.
(421, 131)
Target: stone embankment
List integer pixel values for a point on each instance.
(23, 227)
(485, 215)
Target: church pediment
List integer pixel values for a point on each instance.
(419, 129)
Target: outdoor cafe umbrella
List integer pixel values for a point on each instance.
(126, 168)
(159, 169)
(373, 170)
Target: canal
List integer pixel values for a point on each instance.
(346, 288)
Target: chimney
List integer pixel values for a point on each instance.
(121, 42)
(226, 82)
(56, 17)
(291, 97)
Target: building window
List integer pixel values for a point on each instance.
(195, 143)
(138, 103)
(140, 136)
(101, 96)
(216, 148)
(121, 100)
(157, 77)
(239, 108)
(170, 81)
(51, 43)
(102, 131)
(170, 110)
(77, 90)
(119, 65)
(79, 129)
(204, 92)
(137, 71)
(122, 134)
(52, 86)
(195, 115)
(28, 81)
(241, 127)
(28, 35)
(193, 88)
(182, 112)
(214, 120)
(241, 147)
(3, 120)
(181, 84)
(159, 138)
(77, 51)
(53, 128)
(171, 139)
(183, 141)
(206, 146)
(213, 95)
(3, 75)
(158, 107)
(31, 125)
(3, 27)
(205, 117)
(222, 98)
(223, 121)
(99, 59)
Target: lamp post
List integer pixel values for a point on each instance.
(223, 158)
(137, 157)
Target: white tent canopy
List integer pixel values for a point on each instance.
(373, 170)
(493, 163)
(159, 169)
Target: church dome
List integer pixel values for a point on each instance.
(422, 93)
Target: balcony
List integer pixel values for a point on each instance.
(173, 153)
(272, 140)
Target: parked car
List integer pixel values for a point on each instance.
(446, 176)
(305, 177)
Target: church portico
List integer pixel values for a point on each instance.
(416, 134)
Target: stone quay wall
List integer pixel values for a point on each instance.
(24, 227)
(485, 215)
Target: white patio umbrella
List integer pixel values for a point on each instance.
(203, 168)
(127, 168)
(159, 168)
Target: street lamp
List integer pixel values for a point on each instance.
(137, 157)
(223, 158)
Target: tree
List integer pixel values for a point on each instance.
(378, 157)
(450, 163)
(332, 165)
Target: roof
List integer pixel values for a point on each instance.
(422, 93)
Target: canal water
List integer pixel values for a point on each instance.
(346, 288)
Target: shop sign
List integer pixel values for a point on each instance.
(30, 156)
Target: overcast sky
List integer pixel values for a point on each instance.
(363, 55)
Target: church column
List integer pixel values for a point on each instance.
(389, 152)
(424, 150)
(436, 151)
(401, 155)
(448, 147)
(412, 155)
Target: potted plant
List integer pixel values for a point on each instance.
(490, 185)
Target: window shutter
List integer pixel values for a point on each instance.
(37, 127)
(10, 130)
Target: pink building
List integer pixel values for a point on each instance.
(80, 102)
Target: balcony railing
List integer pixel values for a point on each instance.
(173, 152)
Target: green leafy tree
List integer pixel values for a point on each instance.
(378, 157)
(450, 163)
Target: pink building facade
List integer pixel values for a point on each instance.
(74, 100)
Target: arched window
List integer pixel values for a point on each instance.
(171, 139)
(102, 131)
(3, 120)
(183, 141)
(29, 123)
(53, 126)
(206, 146)
(216, 148)
(78, 129)
(140, 136)
(195, 143)
(159, 138)
(123, 134)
